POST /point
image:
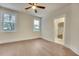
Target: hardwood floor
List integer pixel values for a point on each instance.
(35, 47)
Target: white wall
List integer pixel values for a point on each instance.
(71, 13)
(47, 28)
(48, 31)
(75, 27)
(24, 26)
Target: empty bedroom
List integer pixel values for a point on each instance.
(39, 29)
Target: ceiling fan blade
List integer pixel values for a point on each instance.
(41, 7)
(31, 3)
(28, 8)
(35, 11)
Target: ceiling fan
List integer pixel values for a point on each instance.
(34, 6)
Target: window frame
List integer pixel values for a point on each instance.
(2, 15)
(39, 25)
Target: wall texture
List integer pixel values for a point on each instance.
(24, 26)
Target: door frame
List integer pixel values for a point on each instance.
(62, 16)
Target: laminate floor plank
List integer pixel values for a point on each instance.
(34, 47)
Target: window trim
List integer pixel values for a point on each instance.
(2, 18)
(39, 25)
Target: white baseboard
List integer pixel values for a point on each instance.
(75, 50)
(14, 40)
(47, 39)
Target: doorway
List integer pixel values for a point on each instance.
(59, 30)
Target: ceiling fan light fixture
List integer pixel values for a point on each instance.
(33, 7)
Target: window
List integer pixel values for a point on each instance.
(8, 22)
(36, 25)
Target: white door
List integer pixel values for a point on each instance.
(59, 30)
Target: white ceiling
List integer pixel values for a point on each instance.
(21, 7)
